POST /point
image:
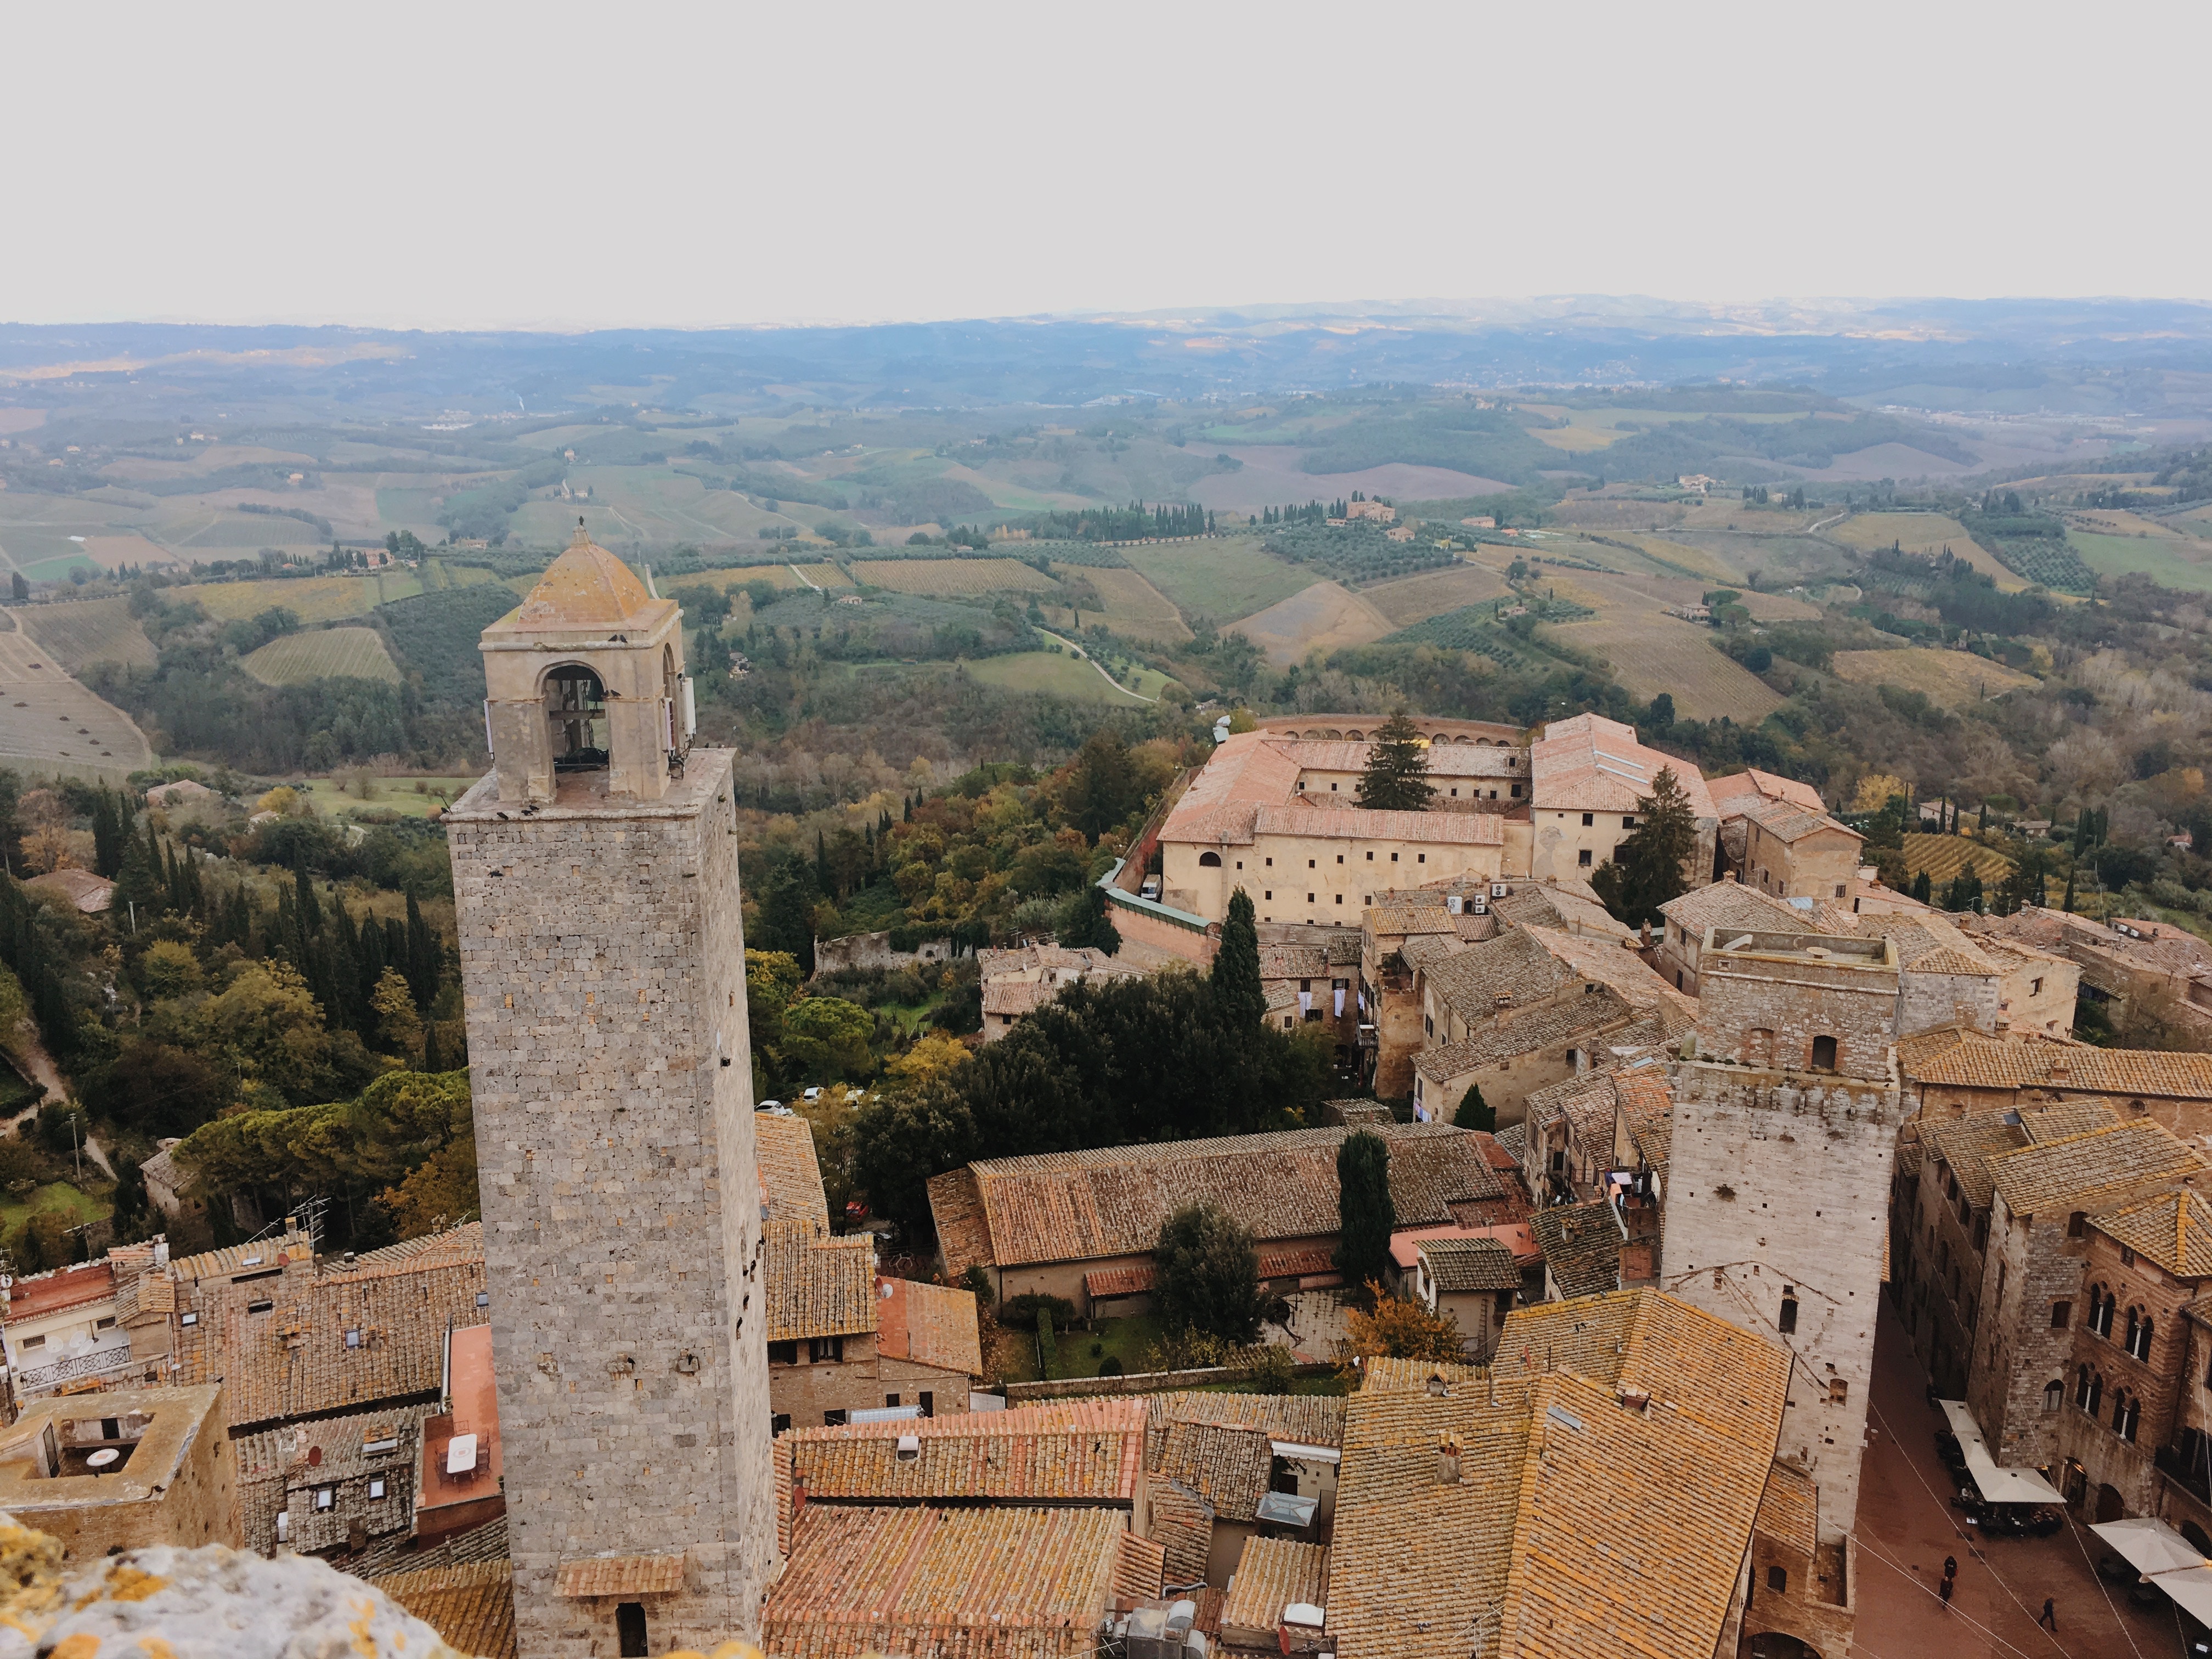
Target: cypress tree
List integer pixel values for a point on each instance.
(305, 908)
(1364, 1210)
(422, 957)
(2067, 903)
(1237, 991)
(110, 826)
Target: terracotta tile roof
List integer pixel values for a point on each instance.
(790, 1173)
(1590, 762)
(2077, 1069)
(2070, 1174)
(1470, 1264)
(1786, 821)
(272, 1461)
(586, 586)
(1183, 1522)
(621, 1575)
(1018, 996)
(2174, 1230)
(2065, 1119)
(88, 892)
(1296, 1261)
(1607, 962)
(816, 1285)
(36, 1295)
(1084, 1451)
(1789, 1510)
(1646, 1096)
(1140, 1567)
(1306, 1419)
(1383, 1375)
(1915, 1052)
(1519, 1031)
(1270, 1574)
(1110, 1201)
(1585, 1104)
(293, 1358)
(462, 1244)
(1227, 1466)
(471, 1607)
(1294, 962)
(1534, 1550)
(928, 1324)
(1241, 775)
(1732, 906)
(1120, 1281)
(1397, 917)
(926, 1583)
(1546, 904)
(398, 1553)
(1770, 785)
(1581, 1246)
(1967, 1144)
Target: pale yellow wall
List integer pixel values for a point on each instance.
(1822, 865)
(1562, 838)
(2049, 1009)
(1309, 864)
(1339, 788)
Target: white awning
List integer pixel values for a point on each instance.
(2166, 1558)
(1996, 1486)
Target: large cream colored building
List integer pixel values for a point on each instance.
(1245, 823)
(1587, 776)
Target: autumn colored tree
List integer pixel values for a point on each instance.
(1395, 1328)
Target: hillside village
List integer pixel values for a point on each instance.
(1565, 1305)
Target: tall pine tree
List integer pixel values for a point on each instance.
(1652, 866)
(1397, 779)
(1365, 1213)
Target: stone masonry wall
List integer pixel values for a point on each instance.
(863, 1381)
(603, 963)
(1927, 1001)
(2022, 1351)
(1798, 999)
(1778, 1180)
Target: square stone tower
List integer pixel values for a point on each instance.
(1784, 1127)
(595, 877)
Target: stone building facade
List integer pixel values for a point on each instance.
(1783, 1137)
(602, 955)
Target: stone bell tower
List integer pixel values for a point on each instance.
(595, 879)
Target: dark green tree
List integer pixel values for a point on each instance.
(1237, 991)
(1922, 887)
(1209, 1275)
(1652, 866)
(1474, 1112)
(1085, 920)
(111, 827)
(1364, 1210)
(786, 909)
(1396, 778)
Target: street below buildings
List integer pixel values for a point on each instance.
(1907, 1527)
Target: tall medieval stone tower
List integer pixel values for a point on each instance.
(1785, 1132)
(595, 875)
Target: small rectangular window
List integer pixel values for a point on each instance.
(376, 1490)
(1839, 1390)
(33, 1344)
(1393, 858)
(259, 1307)
(324, 1497)
(833, 1419)
(1584, 858)
(1270, 893)
(783, 1353)
(2062, 1316)
(107, 1324)
(779, 1422)
(1420, 857)
(1371, 857)
(1590, 819)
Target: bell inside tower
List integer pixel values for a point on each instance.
(577, 709)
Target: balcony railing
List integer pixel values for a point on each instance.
(2186, 1469)
(100, 1363)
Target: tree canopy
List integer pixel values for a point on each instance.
(1237, 990)
(1209, 1275)
(1365, 1211)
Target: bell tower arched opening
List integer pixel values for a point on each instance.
(576, 713)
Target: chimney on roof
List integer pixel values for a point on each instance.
(1447, 1462)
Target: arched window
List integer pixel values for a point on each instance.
(2139, 1336)
(576, 708)
(1778, 1580)
(2082, 1388)
(2096, 1400)
(1209, 860)
(2054, 1394)
(2129, 1341)
(1824, 1053)
(2127, 1414)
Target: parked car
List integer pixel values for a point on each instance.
(775, 1106)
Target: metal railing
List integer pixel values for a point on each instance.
(101, 1362)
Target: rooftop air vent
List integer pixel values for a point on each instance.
(909, 1447)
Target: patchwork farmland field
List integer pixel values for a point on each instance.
(1654, 653)
(1952, 678)
(1054, 673)
(952, 578)
(1925, 534)
(1943, 857)
(1222, 579)
(85, 631)
(2168, 561)
(323, 655)
(1410, 599)
(49, 723)
(327, 598)
(1325, 616)
(1132, 606)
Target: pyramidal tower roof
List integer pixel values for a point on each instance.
(586, 587)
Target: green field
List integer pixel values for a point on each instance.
(324, 654)
(1057, 675)
(55, 1198)
(1222, 579)
(2164, 561)
(341, 797)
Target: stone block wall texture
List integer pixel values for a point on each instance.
(1781, 1179)
(603, 962)
(1798, 999)
(2023, 1352)
(863, 1381)
(1928, 1001)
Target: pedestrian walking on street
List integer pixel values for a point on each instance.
(1950, 1579)
(1944, 1590)
(2050, 1619)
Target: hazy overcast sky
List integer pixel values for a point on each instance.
(473, 164)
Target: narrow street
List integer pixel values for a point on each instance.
(35, 1063)
(1906, 1527)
